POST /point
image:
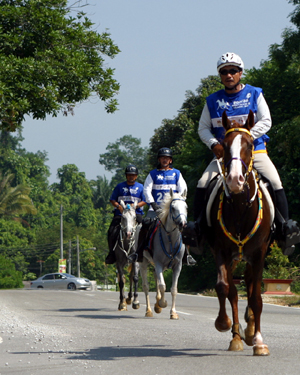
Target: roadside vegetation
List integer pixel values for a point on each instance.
(30, 207)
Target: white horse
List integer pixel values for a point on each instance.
(168, 250)
(126, 245)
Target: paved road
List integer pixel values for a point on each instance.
(81, 332)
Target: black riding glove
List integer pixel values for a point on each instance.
(155, 206)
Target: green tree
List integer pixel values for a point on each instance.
(74, 193)
(50, 61)
(14, 201)
(126, 150)
(101, 189)
(9, 277)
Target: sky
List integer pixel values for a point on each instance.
(167, 47)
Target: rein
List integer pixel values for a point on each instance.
(240, 243)
(249, 170)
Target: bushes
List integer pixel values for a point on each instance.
(9, 277)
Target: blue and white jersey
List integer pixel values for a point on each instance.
(128, 194)
(237, 107)
(159, 182)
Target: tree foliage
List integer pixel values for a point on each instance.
(126, 150)
(50, 61)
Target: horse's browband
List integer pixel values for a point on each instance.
(238, 130)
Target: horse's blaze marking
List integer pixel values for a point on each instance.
(236, 166)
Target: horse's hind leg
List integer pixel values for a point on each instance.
(135, 278)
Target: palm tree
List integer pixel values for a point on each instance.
(14, 201)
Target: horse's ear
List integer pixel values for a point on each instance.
(122, 203)
(171, 192)
(134, 204)
(225, 121)
(250, 121)
(184, 194)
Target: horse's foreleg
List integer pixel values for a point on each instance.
(255, 302)
(143, 270)
(122, 305)
(223, 322)
(160, 289)
(174, 291)
(249, 316)
(131, 273)
(135, 278)
(236, 343)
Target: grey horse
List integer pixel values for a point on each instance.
(168, 250)
(126, 245)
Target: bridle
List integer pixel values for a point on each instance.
(122, 230)
(249, 170)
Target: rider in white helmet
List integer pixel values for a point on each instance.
(238, 99)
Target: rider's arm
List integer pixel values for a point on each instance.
(148, 189)
(204, 129)
(181, 185)
(116, 205)
(263, 118)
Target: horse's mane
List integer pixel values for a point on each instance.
(165, 206)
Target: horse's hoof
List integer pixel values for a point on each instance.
(149, 314)
(162, 304)
(122, 307)
(135, 305)
(236, 345)
(223, 326)
(261, 349)
(157, 309)
(174, 316)
(128, 301)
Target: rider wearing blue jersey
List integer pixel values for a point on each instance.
(157, 184)
(238, 99)
(129, 192)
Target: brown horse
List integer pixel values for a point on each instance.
(240, 218)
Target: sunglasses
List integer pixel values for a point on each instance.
(232, 72)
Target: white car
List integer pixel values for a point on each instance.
(60, 281)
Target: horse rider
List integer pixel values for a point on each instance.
(157, 184)
(238, 99)
(129, 192)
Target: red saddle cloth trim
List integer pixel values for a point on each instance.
(152, 235)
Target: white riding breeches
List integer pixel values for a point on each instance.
(262, 163)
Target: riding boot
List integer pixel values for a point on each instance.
(287, 230)
(187, 258)
(199, 209)
(112, 237)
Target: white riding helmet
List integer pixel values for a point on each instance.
(230, 58)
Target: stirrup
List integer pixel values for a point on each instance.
(190, 261)
(132, 258)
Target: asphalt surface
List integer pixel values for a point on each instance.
(82, 332)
